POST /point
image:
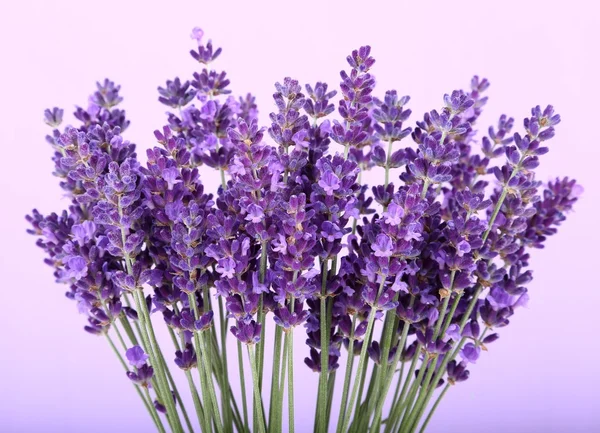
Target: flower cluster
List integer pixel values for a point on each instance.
(417, 277)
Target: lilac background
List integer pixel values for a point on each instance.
(540, 376)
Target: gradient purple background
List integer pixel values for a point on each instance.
(541, 376)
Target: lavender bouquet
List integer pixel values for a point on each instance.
(403, 284)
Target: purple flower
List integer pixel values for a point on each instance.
(255, 213)
(143, 376)
(329, 182)
(83, 232)
(170, 176)
(186, 359)
(393, 215)
(470, 353)
(197, 34)
(383, 247)
(76, 268)
(247, 333)
(136, 356)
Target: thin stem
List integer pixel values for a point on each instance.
(389, 376)
(501, 198)
(321, 407)
(398, 383)
(363, 376)
(275, 395)
(435, 405)
(176, 391)
(413, 392)
(197, 403)
(386, 341)
(147, 402)
(425, 188)
(221, 171)
(290, 349)
(282, 386)
(330, 389)
(202, 366)
(450, 315)
(361, 361)
(451, 355)
(347, 377)
(119, 336)
(243, 384)
(148, 334)
(227, 417)
(128, 330)
(211, 389)
(261, 313)
(414, 415)
(155, 417)
(388, 163)
(257, 398)
(401, 403)
(163, 390)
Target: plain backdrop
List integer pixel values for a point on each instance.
(541, 376)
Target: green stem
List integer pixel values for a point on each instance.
(388, 163)
(347, 377)
(363, 415)
(451, 355)
(425, 188)
(211, 389)
(147, 401)
(450, 315)
(290, 350)
(221, 171)
(502, 197)
(227, 416)
(154, 415)
(275, 396)
(414, 414)
(128, 330)
(257, 398)
(197, 403)
(202, 367)
(361, 362)
(386, 341)
(330, 389)
(363, 376)
(412, 394)
(397, 390)
(321, 407)
(400, 402)
(261, 313)
(119, 336)
(148, 335)
(279, 424)
(163, 390)
(176, 391)
(243, 385)
(390, 375)
(435, 405)
(495, 213)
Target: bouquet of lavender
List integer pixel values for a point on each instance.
(405, 284)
